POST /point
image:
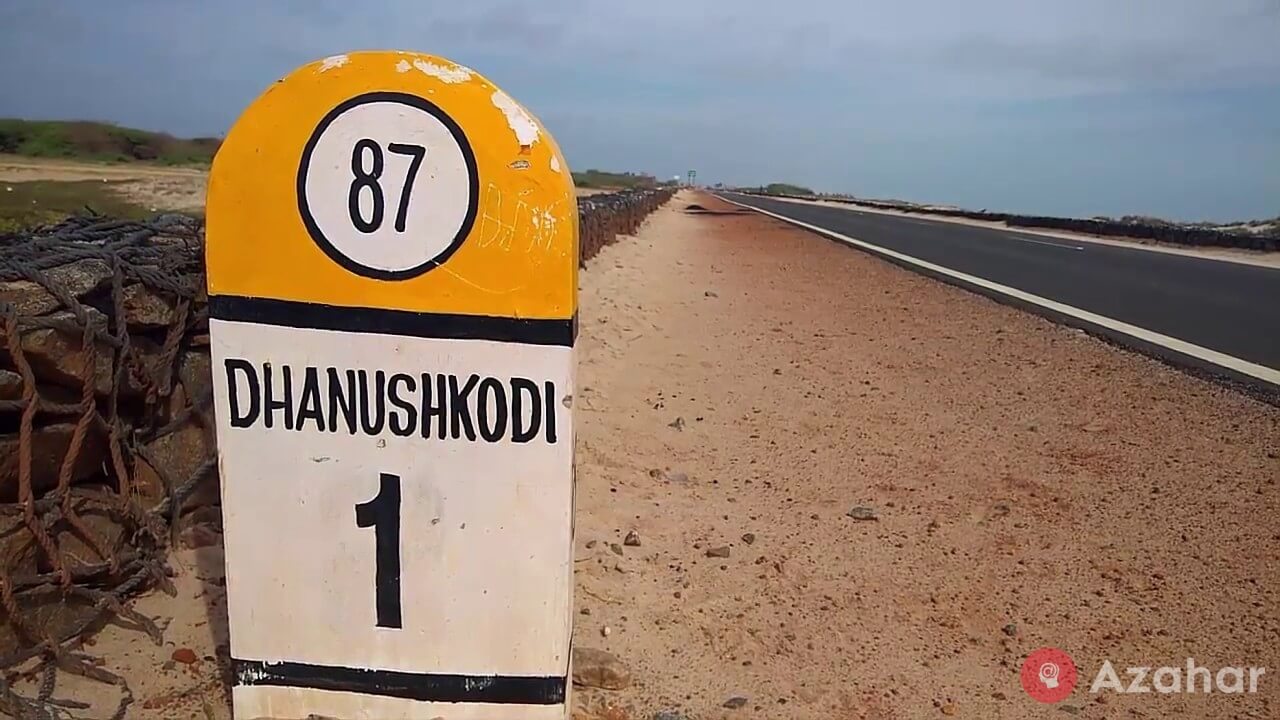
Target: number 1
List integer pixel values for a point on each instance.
(382, 513)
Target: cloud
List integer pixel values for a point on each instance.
(1001, 103)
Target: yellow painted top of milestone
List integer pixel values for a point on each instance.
(393, 180)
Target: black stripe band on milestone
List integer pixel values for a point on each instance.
(424, 687)
(449, 326)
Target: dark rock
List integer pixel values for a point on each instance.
(180, 453)
(186, 656)
(144, 308)
(749, 538)
(863, 513)
(616, 548)
(56, 357)
(1010, 630)
(718, 552)
(10, 385)
(632, 539)
(735, 702)
(599, 669)
(49, 446)
(194, 374)
(55, 354)
(78, 278)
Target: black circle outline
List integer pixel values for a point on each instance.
(468, 156)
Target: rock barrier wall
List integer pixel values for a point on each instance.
(106, 428)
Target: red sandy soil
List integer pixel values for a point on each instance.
(1030, 486)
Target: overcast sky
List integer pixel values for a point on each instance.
(1082, 107)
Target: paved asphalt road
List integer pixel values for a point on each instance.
(1227, 307)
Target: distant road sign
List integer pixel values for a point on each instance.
(392, 269)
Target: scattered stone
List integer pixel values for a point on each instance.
(735, 702)
(718, 552)
(585, 611)
(200, 536)
(749, 538)
(863, 513)
(592, 543)
(710, 293)
(606, 631)
(186, 656)
(616, 548)
(591, 704)
(999, 695)
(949, 709)
(599, 669)
(632, 539)
(1069, 709)
(678, 424)
(809, 695)
(1011, 630)
(670, 715)
(678, 477)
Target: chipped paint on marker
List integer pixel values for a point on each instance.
(333, 61)
(448, 75)
(522, 125)
(519, 165)
(555, 164)
(403, 66)
(251, 674)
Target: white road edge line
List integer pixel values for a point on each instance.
(1244, 367)
(1045, 242)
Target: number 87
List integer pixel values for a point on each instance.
(363, 179)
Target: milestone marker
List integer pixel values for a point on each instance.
(392, 249)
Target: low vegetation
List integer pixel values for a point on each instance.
(613, 180)
(29, 204)
(783, 189)
(102, 142)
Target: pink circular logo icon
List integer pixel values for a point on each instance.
(1048, 675)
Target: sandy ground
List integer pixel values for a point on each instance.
(1030, 487)
(154, 187)
(1249, 257)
